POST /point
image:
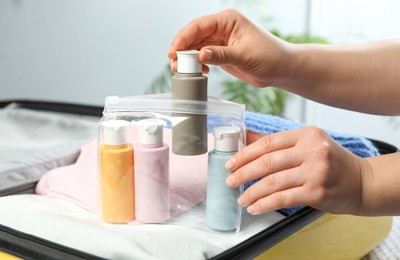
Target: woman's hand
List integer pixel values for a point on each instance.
(230, 40)
(298, 167)
(341, 75)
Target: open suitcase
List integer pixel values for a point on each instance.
(305, 234)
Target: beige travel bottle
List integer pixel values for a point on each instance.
(116, 173)
(189, 136)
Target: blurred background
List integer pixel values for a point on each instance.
(81, 51)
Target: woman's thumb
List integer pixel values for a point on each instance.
(216, 55)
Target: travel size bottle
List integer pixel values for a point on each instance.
(116, 173)
(189, 137)
(222, 209)
(152, 198)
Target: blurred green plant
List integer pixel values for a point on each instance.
(162, 83)
(263, 100)
(269, 100)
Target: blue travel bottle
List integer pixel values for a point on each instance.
(222, 210)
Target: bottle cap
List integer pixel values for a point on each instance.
(226, 138)
(115, 132)
(151, 131)
(188, 62)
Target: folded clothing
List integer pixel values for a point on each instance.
(25, 131)
(34, 142)
(267, 124)
(78, 182)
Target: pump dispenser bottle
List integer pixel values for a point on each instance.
(189, 137)
(151, 173)
(222, 211)
(116, 173)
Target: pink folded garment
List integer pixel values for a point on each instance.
(78, 182)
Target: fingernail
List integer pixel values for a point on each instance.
(208, 55)
(250, 209)
(231, 163)
(241, 201)
(230, 181)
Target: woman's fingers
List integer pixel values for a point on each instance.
(270, 184)
(314, 171)
(264, 165)
(213, 29)
(289, 165)
(263, 146)
(281, 199)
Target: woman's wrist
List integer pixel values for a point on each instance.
(288, 70)
(303, 67)
(380, 186)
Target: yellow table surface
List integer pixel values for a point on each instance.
(332, 237)
(5, 256)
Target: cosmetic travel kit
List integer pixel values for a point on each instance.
(164, 155)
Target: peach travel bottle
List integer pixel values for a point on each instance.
(116, 173)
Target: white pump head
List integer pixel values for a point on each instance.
(151, 131)
(188, 62)
(115, 132)
(226, 138)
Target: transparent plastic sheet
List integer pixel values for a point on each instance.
(173, 179)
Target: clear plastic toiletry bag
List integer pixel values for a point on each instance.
(162, 161)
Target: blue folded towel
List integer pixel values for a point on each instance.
(267, 124)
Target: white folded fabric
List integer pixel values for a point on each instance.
(64, 223)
